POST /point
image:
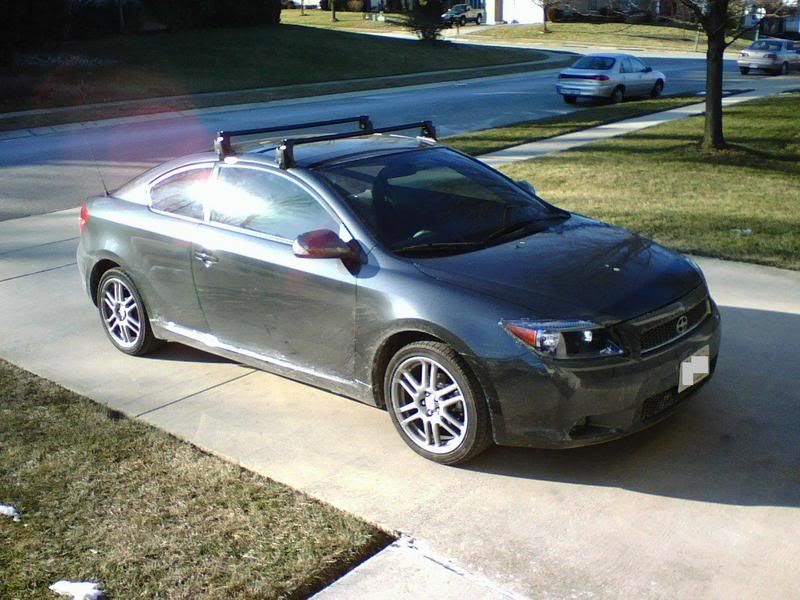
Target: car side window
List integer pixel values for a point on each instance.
(626, 67)
(181, 193)
(265, 202)
(638, 66)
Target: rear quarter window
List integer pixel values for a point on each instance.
(181, 193)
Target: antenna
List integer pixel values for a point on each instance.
(96, 166)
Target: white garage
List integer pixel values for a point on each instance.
(513, 11)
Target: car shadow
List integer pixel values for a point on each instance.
(737, 441)
(179, 352)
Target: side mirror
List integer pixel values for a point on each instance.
(648, 69)
(321, 243)
(527, 186)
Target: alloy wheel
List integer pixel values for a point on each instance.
(120, 312)
(429, 405)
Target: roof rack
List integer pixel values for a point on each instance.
(222, 143)
(285, 151)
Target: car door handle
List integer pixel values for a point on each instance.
(205, 257)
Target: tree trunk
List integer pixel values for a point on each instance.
(544, 18)
(713, 137)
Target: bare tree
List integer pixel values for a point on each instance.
(723, 23)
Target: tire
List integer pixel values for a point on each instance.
(570, 99)
(744, 70)
(123, 314)
(618, 95)
(462, 21)
(478, 20)
(784, 69)
(455, 428)
(657, 89)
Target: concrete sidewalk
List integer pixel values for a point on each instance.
(706, 504)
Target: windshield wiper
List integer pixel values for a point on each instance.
(512, 228)
(438, 247)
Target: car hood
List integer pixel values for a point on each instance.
(579, 268)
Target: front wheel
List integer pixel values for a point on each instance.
(570, 99)
(436, 404)
(744, 70)
(123, 314)
(462, 21)
(657, 89)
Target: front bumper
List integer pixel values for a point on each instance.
(550, 406)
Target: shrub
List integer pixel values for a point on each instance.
(425, 19)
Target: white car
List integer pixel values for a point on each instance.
(610, 76)
(770, 54)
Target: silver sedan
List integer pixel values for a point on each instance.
(774, 55)
(610, 76)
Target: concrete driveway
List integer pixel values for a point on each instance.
(706, 504)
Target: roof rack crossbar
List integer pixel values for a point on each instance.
(222, 142)
(285, 151)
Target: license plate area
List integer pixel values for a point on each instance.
(694, 369)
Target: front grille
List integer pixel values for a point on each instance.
(668, 331)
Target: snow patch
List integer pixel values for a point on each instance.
(79, 590)
(10, 511)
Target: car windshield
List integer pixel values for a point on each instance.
(437, 201)
(762, 45)
(595, 63)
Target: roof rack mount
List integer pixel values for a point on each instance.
(222, 142)
(285, 151)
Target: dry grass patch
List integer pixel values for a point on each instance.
(104, 497)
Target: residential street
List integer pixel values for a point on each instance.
(52, 171)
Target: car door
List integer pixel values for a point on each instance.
(162, 246)
(258, 297)
(646, 78)
(631, 78)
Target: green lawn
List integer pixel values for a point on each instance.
(491, 140)
(603, 34)
(188, 62)
(658, 183)
(346, 20)
(104, 497)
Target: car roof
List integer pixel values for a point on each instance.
(610, 55)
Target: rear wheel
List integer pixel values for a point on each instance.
(478, 20)
(618, 95)
(657, 89)
(784, 69)
(744, 70)
(462, 21)
(123, 314)
(436, 404)
(570, 99)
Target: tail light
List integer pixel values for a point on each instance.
(599, 77)
(771, 56)
(84, 218)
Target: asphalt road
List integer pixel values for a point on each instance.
(47, 172)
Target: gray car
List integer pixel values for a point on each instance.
(404, 274)
(612, 77)
(769, 54)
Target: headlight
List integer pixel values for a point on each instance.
(564, 339)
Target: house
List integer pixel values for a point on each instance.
(514, 11)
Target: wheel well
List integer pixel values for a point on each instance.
(97, 273)
(387, 351)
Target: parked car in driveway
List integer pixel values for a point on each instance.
(612, 77)
(774, 55)
(462, 14)
(407, 275)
